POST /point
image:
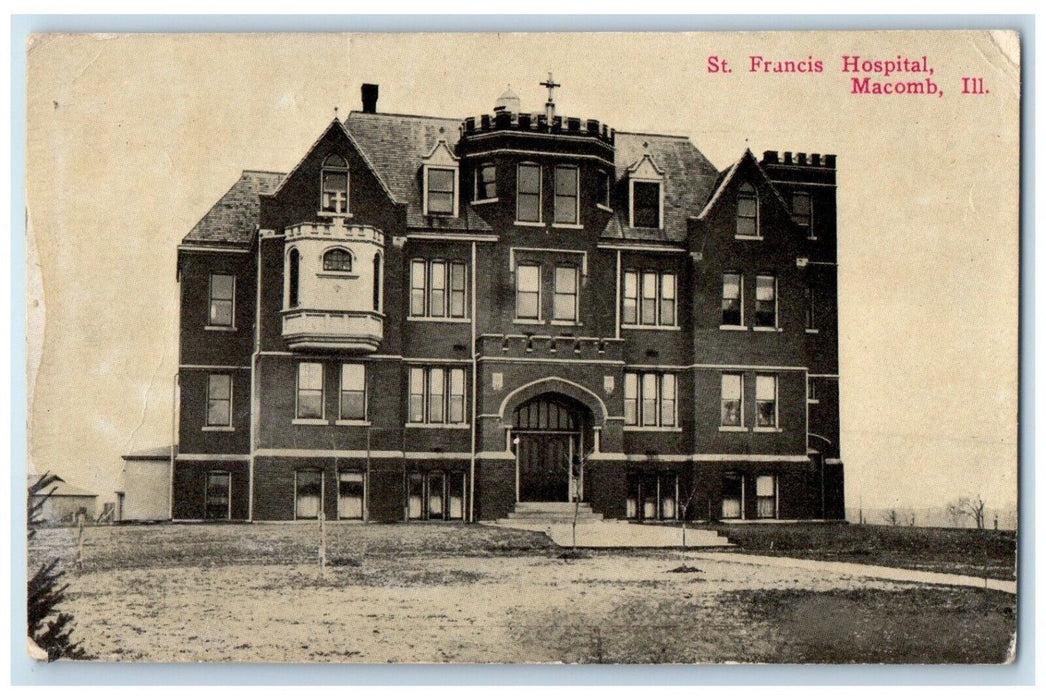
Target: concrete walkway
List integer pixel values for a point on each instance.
(862, 570)
(620, 534)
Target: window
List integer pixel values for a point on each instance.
(648, 303)
(222, 292)
(457, 291)
(651, 495)
(417, 287)
(732, 315)
(308, 494)
(802, 210)
(353, 401)
(528, 292)
(649, 298)
(437, 395)
(564, 300)
(377, 282)
(456, 396)
(731, 394)
(766, 401)
(528, 193)
(650, 399)
(440, 197)
(646, 204)
(630, 302)
(486, 182)
(217, 496)
(747, 211)
(765, 301)
(337, 260)
(808, 299)
(766, 496)
(335, 185)
(733, 496)
(603, 188)
(351, 495)
(667, 312)
(566, 199)
(219, 400)
(293, 269)
(310, 390)
(631, 398)
(435, 495)
(437, 289)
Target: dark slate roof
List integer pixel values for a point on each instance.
(727, 176)
(689, 181)
(233, 219)
(396, 144)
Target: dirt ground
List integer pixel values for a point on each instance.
(199, 593)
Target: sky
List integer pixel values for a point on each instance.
(131, 139)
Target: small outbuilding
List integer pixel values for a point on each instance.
(66, 501)
(145, 486)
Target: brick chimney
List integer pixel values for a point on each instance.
(369, 93)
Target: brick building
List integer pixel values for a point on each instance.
(432, 318)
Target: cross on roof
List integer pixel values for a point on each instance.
(551, 85)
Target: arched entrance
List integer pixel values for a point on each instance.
(549, 434)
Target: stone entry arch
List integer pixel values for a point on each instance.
(549, 431)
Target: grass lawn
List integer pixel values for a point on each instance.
(453, 593)
(945, 550)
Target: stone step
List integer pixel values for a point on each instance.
(553, 517)
(549, 507)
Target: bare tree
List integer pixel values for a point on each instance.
(967, 508)
(685, 501)
(892, 517)
(577, 470)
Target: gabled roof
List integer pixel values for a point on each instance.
(396, 145)
(343, 130)
(60, 487)
(234, 218)
(727, 177)
(689, 179)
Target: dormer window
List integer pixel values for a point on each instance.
(646, 204)
(439, 181)
(440, 194)
(335, 186)
(337, 260)
(486, 183)
(747, 211)
(646, 196)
